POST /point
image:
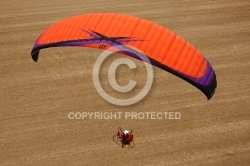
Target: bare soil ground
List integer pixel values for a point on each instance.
(36, 98)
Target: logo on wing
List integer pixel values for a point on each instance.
(109, 40)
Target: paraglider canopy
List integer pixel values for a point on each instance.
(163, 47)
